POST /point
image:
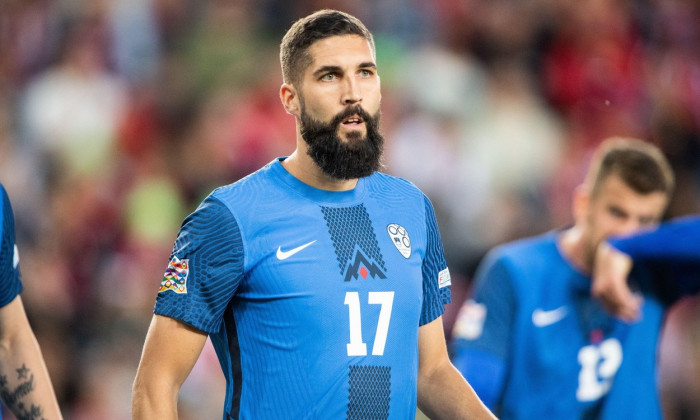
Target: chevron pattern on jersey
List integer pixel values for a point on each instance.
(348, 227)
(370, 393)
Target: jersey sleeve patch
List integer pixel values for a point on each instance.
(444, 278)
(175, 277)
(470, 320)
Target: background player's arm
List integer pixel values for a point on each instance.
(610, 283)
(25, 386)
(169, 353)
(673, 248)
(442, 391)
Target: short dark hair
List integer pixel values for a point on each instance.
(639, 164)
(322, 24)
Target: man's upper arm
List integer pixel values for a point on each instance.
(432, 349)
(169, 353)
(12, 318)
(442, 391)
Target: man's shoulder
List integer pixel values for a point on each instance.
(525, 262)
(256, 183)
(527, 250)
(394, 183)
(393, 179)
(544, 242)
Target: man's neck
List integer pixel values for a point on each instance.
(302, 167)
(572, 245)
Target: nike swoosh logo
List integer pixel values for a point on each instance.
(283, 255)
(543, 318)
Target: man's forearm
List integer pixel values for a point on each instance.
(445, 394)
(149, 403)
(25, 386)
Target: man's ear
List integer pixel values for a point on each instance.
(580, 202)
(290, 99)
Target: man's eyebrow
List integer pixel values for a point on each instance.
(326, 69)
(336, 69)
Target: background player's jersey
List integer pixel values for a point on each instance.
(553, 349)
(10, 285)
(312, 298)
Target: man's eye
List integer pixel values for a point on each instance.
(617, 213)
(328, 77)
(365, 73)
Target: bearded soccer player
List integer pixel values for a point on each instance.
(549, 347)
(320, 281)
(25, 386)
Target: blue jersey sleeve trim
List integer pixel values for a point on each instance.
(10, 283)
(435, 297)
(211, 244)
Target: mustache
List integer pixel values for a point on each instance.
(348, 112)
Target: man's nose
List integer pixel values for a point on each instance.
(351, 92)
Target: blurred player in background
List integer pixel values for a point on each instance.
(551, 349)
(25, 386)
(672, 251)
(320, 281)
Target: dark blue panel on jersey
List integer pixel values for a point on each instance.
(370, 392)
(354, 241)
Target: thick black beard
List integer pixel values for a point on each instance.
(356, 158)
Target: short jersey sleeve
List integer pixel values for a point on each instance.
(10, 284)
(205, 268)
(436, 276)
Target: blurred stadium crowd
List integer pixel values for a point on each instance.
(118, 116)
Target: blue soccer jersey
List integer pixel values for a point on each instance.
(312, 298)
(551, 349)
(10, 284)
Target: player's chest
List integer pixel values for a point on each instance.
(309, 250)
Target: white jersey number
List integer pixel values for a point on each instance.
(599, 364)
(357, 347)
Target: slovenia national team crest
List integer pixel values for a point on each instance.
(399, 237)
(175, 277)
